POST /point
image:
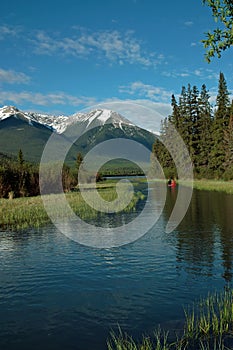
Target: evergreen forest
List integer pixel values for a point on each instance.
(206, 130)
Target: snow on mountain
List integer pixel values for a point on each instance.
(100, 117)
(59, 124)
(56, 123)
(8, 111)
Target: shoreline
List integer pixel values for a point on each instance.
(29, 212)
(211, 185)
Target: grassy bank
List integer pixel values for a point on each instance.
(214, 185)
(211, 185)
(21, 213)
(206, 185)
(208, 326)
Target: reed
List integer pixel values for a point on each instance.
(211, 185)
(22, 213)
(208, 326)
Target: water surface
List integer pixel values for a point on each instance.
(57, 294)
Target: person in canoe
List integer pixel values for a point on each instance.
(171, 182)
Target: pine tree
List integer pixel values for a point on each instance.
(228, 147)
(20, 158)
(161, 153)
(175, 117)
(220, 123)
(194, 128)
(185, 125)
(203, 129)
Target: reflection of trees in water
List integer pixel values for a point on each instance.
(224, 220)
(205, 232)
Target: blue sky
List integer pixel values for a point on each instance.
(61, 56)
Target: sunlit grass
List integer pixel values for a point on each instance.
(22, 213)
(211, 185)
(208, 326)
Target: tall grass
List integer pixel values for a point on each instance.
(212, 185)
(21, 213)
(208, 326)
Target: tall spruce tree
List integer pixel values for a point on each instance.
(228, 146)
(20, 158)
(174, 118)
(194, 129)
(161, 153)
(220, 123)
(185, 117)
(203, 129)
(208, 137)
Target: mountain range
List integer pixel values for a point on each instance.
(30, 131)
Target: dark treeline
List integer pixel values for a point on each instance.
(19, 178)
(206, 131)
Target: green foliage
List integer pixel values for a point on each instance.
(221, 38)
(20, 158)
(208, 136)
(220, 124)
(228, 147)
(19, 178)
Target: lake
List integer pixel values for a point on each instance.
(58, 294)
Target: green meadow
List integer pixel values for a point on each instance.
(27, 212)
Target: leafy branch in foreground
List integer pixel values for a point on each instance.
(219, 39)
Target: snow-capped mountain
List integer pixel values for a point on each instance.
(30, 131)
(54, 123)
(59, 124)
(100, 117)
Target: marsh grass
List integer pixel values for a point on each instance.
(208, 326)
(22, 213)
(205, 185)
(211, 185)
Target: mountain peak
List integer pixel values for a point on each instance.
(8, 111)
(99, 117)
(31, 131)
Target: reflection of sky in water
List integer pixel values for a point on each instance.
(60, 293)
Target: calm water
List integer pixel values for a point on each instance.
(57, 294)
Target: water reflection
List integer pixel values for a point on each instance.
(57, 294)
(204, 239)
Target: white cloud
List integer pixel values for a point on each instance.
(188, 23)
(198, 72)
(115, 46)
(8, 31)
(12, 77)
(175, 74)
(144, 113)
(47, 45)
(138, 88)
(39, 99)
